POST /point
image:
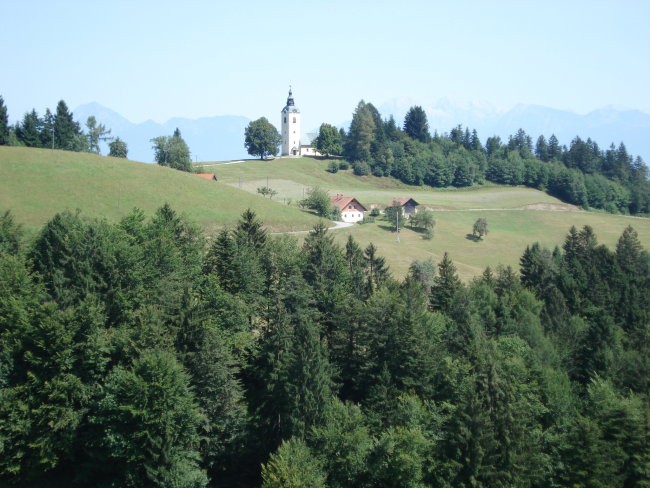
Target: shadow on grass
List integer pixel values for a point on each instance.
(390, 228)
(472, 237)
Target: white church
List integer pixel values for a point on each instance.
(290, 123)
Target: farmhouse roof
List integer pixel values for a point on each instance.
(207, 176)
(404, 201)
(342, 202)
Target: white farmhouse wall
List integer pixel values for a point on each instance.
(352, 213)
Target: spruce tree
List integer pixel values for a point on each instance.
(416, 125)
(445, 285)
(4, 123)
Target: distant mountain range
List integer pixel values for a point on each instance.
(222, 137)
(215, 138)
(604, 126)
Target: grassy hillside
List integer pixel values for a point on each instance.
(37, 183)
(516, 216)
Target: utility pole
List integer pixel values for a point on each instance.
(398, 210)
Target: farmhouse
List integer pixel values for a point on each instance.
(207, 176)
(351, 209)
(409, 206)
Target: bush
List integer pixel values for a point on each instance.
(361, 168)
(343, 165)
(333, 167)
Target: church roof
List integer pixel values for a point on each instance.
(290, 106)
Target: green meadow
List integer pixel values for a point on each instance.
(516, 216)
(36, 183)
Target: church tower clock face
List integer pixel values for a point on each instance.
(290, 124)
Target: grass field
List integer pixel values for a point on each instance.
(35, 184)
(516, 216)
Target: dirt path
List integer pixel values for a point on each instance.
(336, 226)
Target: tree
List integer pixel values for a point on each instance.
(395, 215)
(149, 419)
(172, 151)
(4, 123)
(424, 220)
(445, 285)
(10, 233)
(318, 200)
(67, 133)
(329, 140)
(480, 228)
(541, 149)
(267, 191)
(293, 466)
(118, 148)
(96, 134)
(416, 125)
(361, 134)
(29, 131)
(261, 138)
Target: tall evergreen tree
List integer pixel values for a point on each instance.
(361, 135)
(416, 125)
(445, 285)
(67, 133)
(29, 131)
(4, 123)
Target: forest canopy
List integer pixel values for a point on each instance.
(143, 353)
(581, 173)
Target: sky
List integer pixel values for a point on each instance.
(162, 59)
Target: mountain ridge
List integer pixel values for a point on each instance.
(221, 137)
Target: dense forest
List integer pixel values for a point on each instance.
(143, 353)
(582, 174)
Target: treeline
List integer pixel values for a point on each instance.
(58, 130)
(581, 174)
(143, 354)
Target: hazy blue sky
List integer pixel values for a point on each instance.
(159, 59)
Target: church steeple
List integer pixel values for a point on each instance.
(290, 102)
(290, 127)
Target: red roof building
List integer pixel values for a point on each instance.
(409, 206)
(351, 209)
(207, 176)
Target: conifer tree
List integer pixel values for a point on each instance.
(4, 123)
(416, 125)
(445, 285)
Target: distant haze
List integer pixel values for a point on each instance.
(221, 137)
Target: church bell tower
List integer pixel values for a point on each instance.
(290, 128)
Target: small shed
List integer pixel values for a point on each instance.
(207, 176)
(409, 206)
(351, 209)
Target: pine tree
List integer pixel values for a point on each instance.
(416, 125)
(29, 132)
(67, 133)
(4, 123)
(361, 134)
(445, 285)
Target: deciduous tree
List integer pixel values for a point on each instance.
(96, 133)
(118, 148)
(261, 138)
(328, 141)
(172, 151)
